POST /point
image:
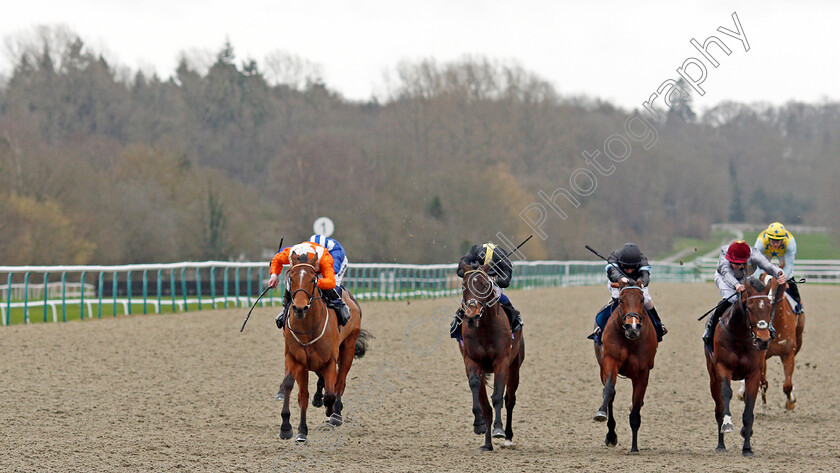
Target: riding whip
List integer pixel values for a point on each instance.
(263, 293)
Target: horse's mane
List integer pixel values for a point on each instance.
(756, 283)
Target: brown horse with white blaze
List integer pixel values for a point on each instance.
(314, 343)
(741, 339)
(628, 349)
(489, 347)
(788, 327)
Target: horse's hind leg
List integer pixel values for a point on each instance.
(318, 398)
(788, 363)
(639, 387)
(762, 385)
(800, 327)
(345, 360)
(510, 400)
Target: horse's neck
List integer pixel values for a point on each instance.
(736, 322)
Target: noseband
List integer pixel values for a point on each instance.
(761, 324)
(625, 315)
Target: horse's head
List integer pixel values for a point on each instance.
(303, 281)
(479, 293)
(757, 304)
(631, 306)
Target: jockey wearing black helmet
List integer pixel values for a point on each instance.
(628, 260)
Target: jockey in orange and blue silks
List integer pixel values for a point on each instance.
(338, 255)
(324, 264)
(500, 272)
(776, 242)
(630, 261)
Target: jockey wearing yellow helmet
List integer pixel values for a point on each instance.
(777, 242)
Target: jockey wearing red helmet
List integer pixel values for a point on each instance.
(737, 261)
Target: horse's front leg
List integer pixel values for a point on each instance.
(750, 396)
(714, 387)
(609, 374)
(639, 387)
(302, 378)
(286, 389)
(500, 377)
(329, 385)
(479, 394)
(725, 376)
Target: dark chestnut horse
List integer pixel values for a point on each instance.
(488, 347)
(741, 339)
(628, 349)
(788, 341)
(314, 343)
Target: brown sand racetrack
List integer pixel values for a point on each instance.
(188, 392)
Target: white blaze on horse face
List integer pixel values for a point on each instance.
(761, 304)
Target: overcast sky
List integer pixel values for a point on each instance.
(615, 50)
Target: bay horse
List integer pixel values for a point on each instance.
(314, 343)
(786, 344)
(741, 339)
(628, 349)
(489, 347)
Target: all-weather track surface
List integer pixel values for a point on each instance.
(188, 392)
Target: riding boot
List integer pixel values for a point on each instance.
(336, 302)
(793, 290)
(280, 320)
(708, 335)
(513, 316)
(455, 326)
(660, 327)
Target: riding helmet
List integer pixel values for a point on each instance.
(631, 256)
(776, 231)
(738, 252)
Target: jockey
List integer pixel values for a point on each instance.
(778, 242)
(627, 260)
(328, 281)
(737, 260)
(500, 271)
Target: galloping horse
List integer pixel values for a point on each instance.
(629, 347)
(488, 347)
(740, 343)
(786, 344)
(314, 343)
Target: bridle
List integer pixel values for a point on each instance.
(473, 302)
(625, 315)
(312, 297)
(761, 324)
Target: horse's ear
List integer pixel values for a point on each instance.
(463, 266)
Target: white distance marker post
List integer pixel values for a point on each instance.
(324, 226)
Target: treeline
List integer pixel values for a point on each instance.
(103, 165)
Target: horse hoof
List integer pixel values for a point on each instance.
(301, 438)
(508, 444)
(335, 420)
(318, 401)
(726, 428)
(480, 429)
(285, 434)
(278, 396)
(748, 453)
(720, 450)
(611, 441)
(600, 416)
(498, 433)
(633, 452)
(789, 405)
(485, 448)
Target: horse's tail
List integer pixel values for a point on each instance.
(362, 343)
